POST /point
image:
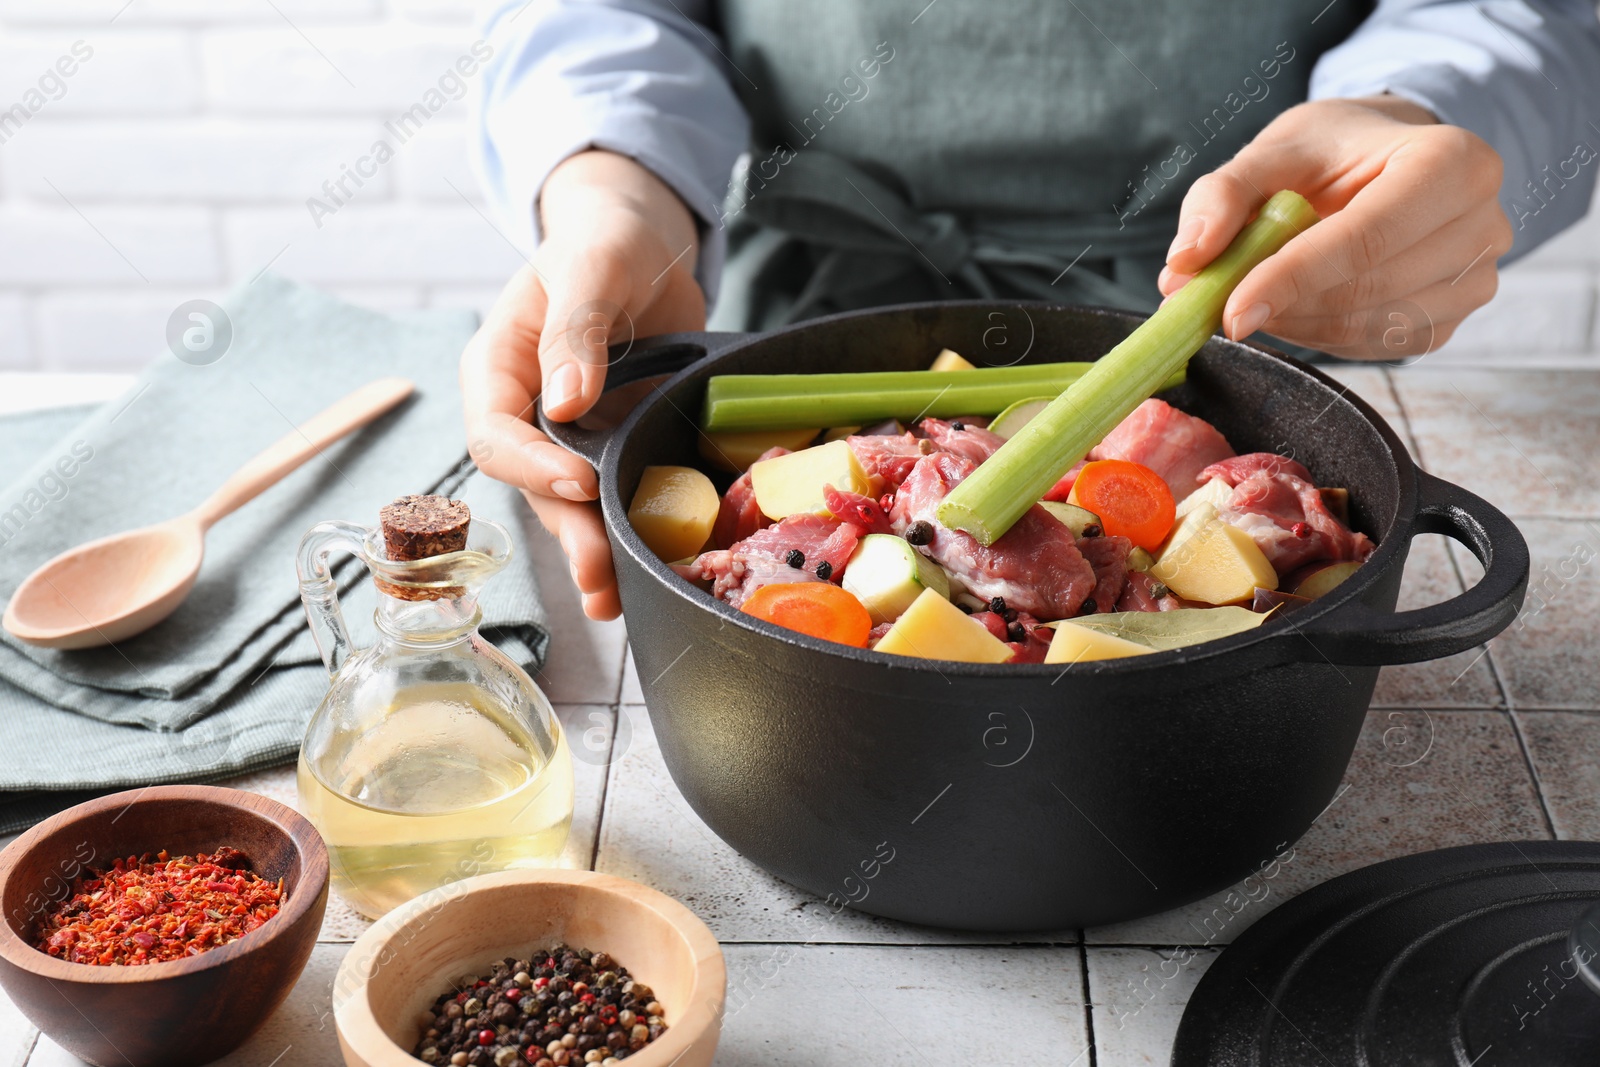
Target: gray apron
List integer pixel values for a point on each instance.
(1010, 149)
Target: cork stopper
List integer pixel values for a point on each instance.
(417, 527)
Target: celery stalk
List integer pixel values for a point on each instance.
(738, 386)
(789, 401)
(1012, 480)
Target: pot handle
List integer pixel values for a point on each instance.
(1363, 636)
(666, 353)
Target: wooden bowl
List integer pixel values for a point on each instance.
(398, 968)
(174, 1014)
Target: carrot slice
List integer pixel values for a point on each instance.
(816, 608)
(1130, 498)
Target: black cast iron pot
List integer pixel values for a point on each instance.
(997, 797)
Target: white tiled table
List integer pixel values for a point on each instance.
(1484, 746)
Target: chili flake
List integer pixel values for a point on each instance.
(157, 908)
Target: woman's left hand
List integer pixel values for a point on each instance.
(1411, 228)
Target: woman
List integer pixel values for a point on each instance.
(906, 150)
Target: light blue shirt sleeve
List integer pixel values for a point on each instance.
(642, 78)
(1522, 74)
(648, 79)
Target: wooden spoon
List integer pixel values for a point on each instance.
(113, 588)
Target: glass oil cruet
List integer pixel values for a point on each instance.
(433, 756)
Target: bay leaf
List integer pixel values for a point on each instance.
(1163, 630)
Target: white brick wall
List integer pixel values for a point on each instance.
(178, 159)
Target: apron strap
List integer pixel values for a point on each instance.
(862, 235)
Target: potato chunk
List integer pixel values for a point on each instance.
(673, 511)
(735, 450)
(949, 359)
(934, 628)
(1212, 561)
(1079, 644)
(793, 484)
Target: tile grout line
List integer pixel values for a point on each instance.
(1450, 546)
(622, 670)
(1214, 946)
(1533, 772)
(33, 1046)
(1511, 713)
(612, 758)
(1552, 709)
(1450, 555)
(1409, 432)
(1542, 517)
(1479, 709)
(1488, 653)
(1088, 1001)
(1031, 945)
(605, 786)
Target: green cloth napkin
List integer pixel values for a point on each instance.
(225, 685)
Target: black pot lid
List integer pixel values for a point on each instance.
(1481, 956)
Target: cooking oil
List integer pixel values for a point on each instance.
(441, 784)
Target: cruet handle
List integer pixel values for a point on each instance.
(318, 591)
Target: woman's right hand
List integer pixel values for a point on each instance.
(616, 262)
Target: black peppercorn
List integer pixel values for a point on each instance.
(997, 604)
(958, 426)
(1016, 633)
(824, 570)
(1092, 530)
(795, 558)
(507, 1018)
(1157, 590)
(1089, 607)
(919, 532)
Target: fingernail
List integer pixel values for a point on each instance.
(565, 384)
(1250, 320)
(570, 489)
(1188, 236)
